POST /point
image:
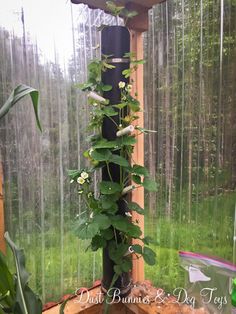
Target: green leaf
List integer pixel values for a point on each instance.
(136, 179)
(130, 55)
(137, 248)
(73, 174)
(101, 154)
(134, 105)
(139, 170)
(113, 8)
(105, 144)
(98, 242)
(85, 86)
(131, 14)
(107, 187)
(108, 201)
(134, 231)
(108, 66)
(120, 223)
(136, 207)
(102, 221)
(107, 234)
(136, 62)
(63, 305)
(118, 269)
(87, 230)
(150, 185)
(121, 161)
(106, 88)
(120, 106)
(126, 140)
(147, 240)
(110, 112)
(123, 224)
(6, 283)
(126, 73)
(26, 301)
(98, 112)
(126, 265)
(17, 94)
(117, 251)
(149, 256)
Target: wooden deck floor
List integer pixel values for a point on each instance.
(85, 304)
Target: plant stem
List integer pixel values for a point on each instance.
(108, 170)
(115, 235)
(112, 121)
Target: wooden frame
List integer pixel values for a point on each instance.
(138, 155)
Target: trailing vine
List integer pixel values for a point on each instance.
(100, 222)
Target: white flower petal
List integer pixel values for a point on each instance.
(121, 84)
(84, 175)
(80, 180)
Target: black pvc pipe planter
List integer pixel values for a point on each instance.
(115, 42)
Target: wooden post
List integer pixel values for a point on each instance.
(2, 226)
(138, 155)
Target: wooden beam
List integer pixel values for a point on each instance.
(139, 22)
(101, 4)
(138, 155)
(2, 225)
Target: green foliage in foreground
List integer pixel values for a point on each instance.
(16, 95)
(16, 297)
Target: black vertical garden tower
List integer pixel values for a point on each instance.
(115, 43)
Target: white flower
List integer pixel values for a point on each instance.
(81, 192)
(128, 214)
(80, 180)
(91, 215)
(121, 84)
(129, 88)
(84, 175)
(71, 181)
(90, 151)
(95, 104)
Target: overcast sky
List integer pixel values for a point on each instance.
(47, 21)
